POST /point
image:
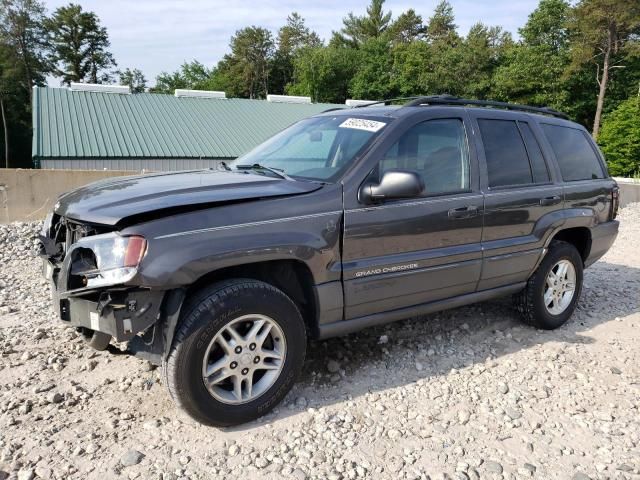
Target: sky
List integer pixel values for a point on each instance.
(159, 35)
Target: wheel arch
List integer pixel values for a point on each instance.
(579, 237)
(293, 277)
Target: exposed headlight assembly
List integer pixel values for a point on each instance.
(106, 259)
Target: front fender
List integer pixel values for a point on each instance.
(178, 259)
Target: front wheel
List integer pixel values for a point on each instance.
(237, 351)
(552, 292)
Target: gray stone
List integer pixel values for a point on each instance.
(493, 467)
(55, 397)
(512, 413)
(299, 474)
(131, 457)
(580, 476)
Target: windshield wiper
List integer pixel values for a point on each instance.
(256, 166)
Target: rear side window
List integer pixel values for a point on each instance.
(576, 158)
(538, 165)
(506, 155)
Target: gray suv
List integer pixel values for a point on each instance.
(348, 219)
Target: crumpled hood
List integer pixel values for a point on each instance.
(109, 201)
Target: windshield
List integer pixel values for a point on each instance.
(318, 148)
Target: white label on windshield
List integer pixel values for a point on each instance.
(362, 124)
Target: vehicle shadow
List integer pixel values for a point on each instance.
(430, 346)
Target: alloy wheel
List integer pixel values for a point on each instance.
(244, 359)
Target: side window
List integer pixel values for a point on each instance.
(506, 155)
(437, 150)
(538, 165)
(576, 157)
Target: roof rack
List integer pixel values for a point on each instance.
(451, 100)
(386, 102)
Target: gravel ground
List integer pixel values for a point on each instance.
(464, 394)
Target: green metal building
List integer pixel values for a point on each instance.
(107, 128)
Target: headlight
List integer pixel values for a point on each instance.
(107, 259)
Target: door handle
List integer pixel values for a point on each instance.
(463, 212)
(547, 201)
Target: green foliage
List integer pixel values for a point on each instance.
(79, 46)
(23, 64)
(22, 32)
(292, 37)
(134, 79)
(604, 33)
(407, 28)
(193, 76)
(324, 73)
(532, 70)
(245, 71)
(582, 58)
(442, 25)
(619, 138)
(357, 30)
(373, 78)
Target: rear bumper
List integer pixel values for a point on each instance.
(121, 312)
(602, 237)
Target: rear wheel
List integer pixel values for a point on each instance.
(552, 292)
(237, 352)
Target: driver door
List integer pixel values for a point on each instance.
(405, 252)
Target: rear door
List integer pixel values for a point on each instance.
(523, 196)
(401, 253)
(586, 184)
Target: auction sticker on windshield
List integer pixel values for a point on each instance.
(362, 124)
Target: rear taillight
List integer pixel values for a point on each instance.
(615, 202)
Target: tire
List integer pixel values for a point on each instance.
(207, 319)
(530, 302)
(96, 340)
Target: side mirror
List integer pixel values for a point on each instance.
(395, 184)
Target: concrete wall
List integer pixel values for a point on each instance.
(155, 164)
(27, 195)
(629, 191)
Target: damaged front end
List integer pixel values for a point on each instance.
(91, 271)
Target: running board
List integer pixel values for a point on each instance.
(344, 327)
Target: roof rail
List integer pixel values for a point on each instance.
(386, 102)
(451, 100)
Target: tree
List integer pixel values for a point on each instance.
(292, 37)
(22, 30)
(15, 116)
(357, 30)
(605, 32)
(134, 79)
(407, 28)
(620, 138)
(245, 71)
(324, 73)
(79, 46)
(532, 70)
(191, 75)
(441, 26)
(373, 78)
(23, 64)
(481, 52)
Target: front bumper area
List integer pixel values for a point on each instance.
(121, 312)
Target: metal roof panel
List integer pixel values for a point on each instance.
(84, 124)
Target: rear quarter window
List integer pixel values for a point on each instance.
(575, 155)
